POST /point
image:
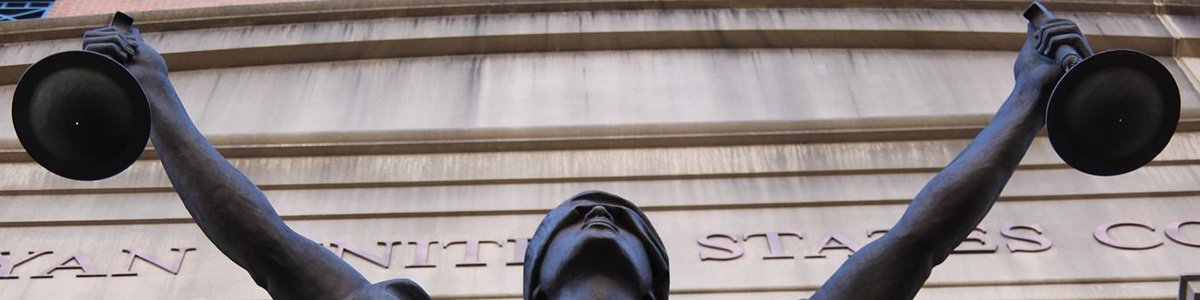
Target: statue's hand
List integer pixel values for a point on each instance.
(127, 48)
(1039, 71)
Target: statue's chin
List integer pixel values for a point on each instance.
(601, 251)
(598, 262)
(598, 251)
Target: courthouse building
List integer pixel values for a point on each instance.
(766, 140)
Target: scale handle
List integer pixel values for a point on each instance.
(1065, 54)
(122, 21)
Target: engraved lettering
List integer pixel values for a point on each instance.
(873, 232)
(383, 261)
(421, 258)
(734, 250)
(81, 263)
(774, 244)
(6, 266)
(976, 236)
(139, 253)
(1174, 234)
(838, 240)
(1101, 235)
(1042, 242)
(519, 252)
(471, 258)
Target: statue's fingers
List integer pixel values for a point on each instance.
(132, 40)
(107, 34)
(100, 37)
(105, 38)
(116, 40)
(1060, 28)
(111, 49)
(110, 30)
(1058, 22)
(1065, 27)
(1040, 39)
(1074, 41)
(129, 43)
(1053, 23)
(137, 35)
(1057, 27)
(130, 49)
(1067, 34)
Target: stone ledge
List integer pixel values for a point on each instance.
(576, 138)
(601, 41)
(587, 137)
(1173, 171)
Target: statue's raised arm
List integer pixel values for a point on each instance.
(231, 211)
(954, 202)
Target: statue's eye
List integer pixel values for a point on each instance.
(582, 210)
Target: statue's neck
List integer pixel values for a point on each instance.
(598, 287)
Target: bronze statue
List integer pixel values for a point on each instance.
(595, 245)
(587, 243)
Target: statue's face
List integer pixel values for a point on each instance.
(596, 256)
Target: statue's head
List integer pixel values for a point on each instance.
(596, 241)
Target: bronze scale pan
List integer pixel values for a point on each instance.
(1113, 112)
(81, 114)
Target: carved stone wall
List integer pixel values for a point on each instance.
(765, 139)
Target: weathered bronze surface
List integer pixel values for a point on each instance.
(595, 245)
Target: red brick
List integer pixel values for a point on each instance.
(66, 8)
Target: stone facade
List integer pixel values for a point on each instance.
(380, 128)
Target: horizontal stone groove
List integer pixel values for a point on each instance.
(599, 41)
(604, 137)
(1042, 159)
(811, 288)
(648, 208)
(627, 178)
(587, 41)
(582, 138)
(333, 11)
(606, 142)
(502, 181)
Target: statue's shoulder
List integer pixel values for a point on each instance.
(395, 289)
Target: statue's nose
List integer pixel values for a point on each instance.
(598, 211)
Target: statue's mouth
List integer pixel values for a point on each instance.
(598, 216)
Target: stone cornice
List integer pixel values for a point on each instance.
(342, 10)
(226, 41)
